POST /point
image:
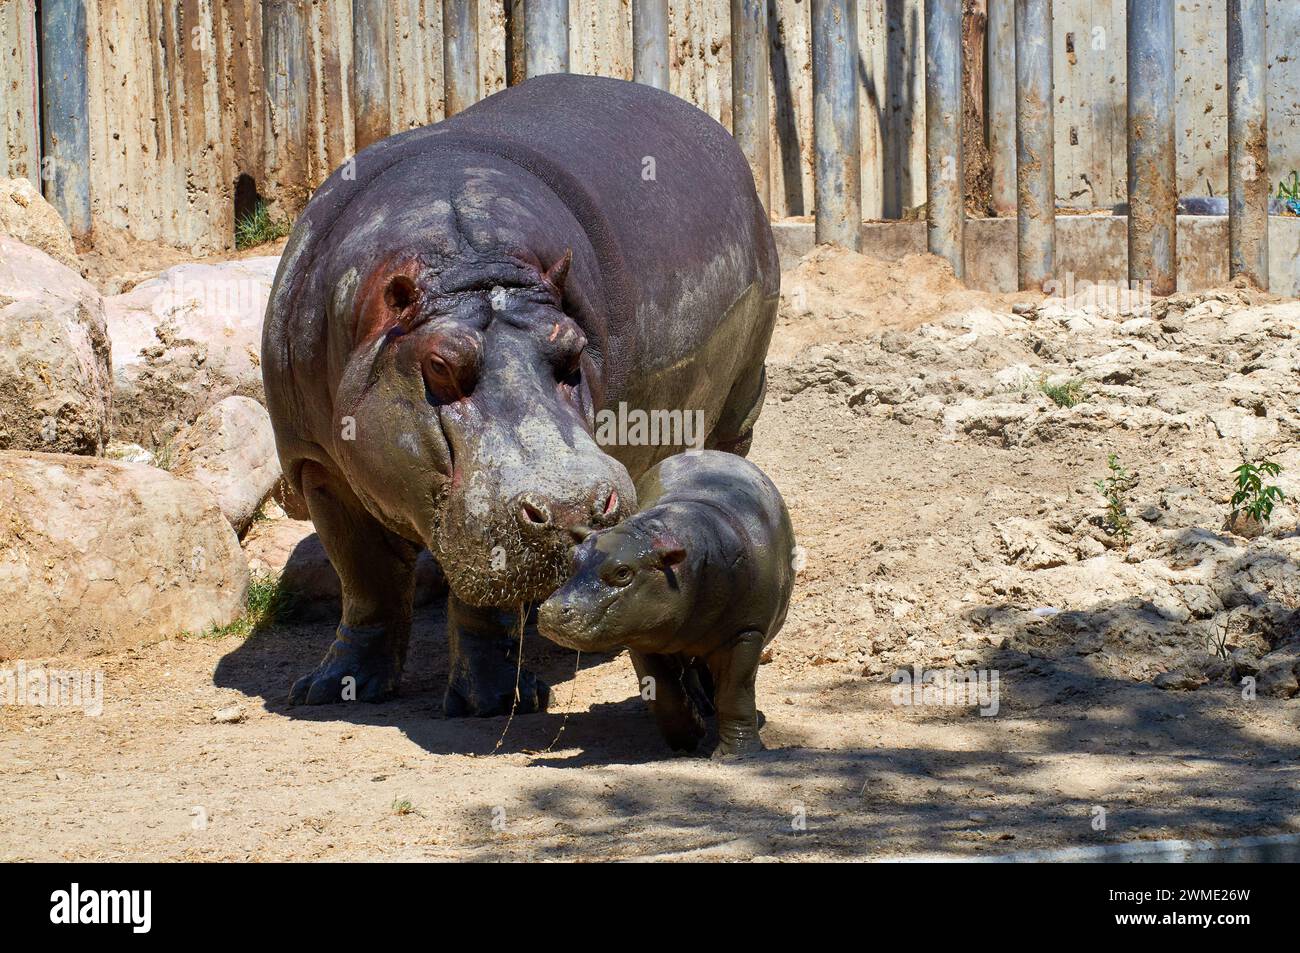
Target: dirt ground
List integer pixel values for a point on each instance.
(947, 510)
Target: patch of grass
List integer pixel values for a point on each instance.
(258, 228)
(265, 603)
(1114, 489)
(1254, 498)
(1066, 394)
(403, 806)
(165, 456)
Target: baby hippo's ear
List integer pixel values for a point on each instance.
(669, 551)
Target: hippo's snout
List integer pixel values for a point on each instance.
(539, 514)
(560, 619)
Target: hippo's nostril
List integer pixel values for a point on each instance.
(533, 513)
(605, 506)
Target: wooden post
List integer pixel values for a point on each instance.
(370, 108)
(1035, 146)
(460, 53)
(1001, 59)
(749, 90)
(65, 168)
(1248, 181)
(650, 42)
(546, 37)
(1152, 169)
(944, 174)
(836, 133)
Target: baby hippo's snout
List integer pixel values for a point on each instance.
(564, 620)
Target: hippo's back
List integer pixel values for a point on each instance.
(731, 485)
(665, 197)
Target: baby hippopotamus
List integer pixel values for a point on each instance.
(695, 585)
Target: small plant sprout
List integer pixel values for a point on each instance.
(258, 228)
(1065, 394)
(403, 806)
(1113, 489)
(1254, 498)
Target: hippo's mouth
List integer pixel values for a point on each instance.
(493, 565)
(579, 631)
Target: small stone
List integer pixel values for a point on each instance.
(231, 715)
(1177, 681)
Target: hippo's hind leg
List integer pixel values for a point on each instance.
(485, 666)
(669, 698)
(734, 668)
(376, 568)
(735, 428)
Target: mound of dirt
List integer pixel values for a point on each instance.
(834, 295)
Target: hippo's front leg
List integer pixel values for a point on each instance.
(376, 570)
(735, 668)
(485, 669)
(670, 702)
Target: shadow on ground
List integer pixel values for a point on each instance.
(1069, 738)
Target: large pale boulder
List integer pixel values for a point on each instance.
(184, 341)
(55, 377)
(230, 450)
(97, 555)
(25, 215)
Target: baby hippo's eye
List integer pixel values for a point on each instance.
(621, 575)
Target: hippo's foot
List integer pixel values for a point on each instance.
(481, 697)
(682, 728)
(485, 669)
(729, 749)
(359, 666)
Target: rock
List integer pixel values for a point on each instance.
(1244, 662)
(985, 417)
(291, 549)
(230, 450)
(26, 216)
(1027, 545)
(129, 453)
(184, 341)
(231, 715)
(55, 379)
(1277, 676)
(97, 555)
(1179, 681)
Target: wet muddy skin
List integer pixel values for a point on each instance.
(454, 309)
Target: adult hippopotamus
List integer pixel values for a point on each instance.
(454, 309)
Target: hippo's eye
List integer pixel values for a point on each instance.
(621, 575)
(440, 379)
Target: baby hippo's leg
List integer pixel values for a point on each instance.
(660, 680)
(734, 668)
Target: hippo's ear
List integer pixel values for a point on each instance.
(558, 273)
(668, 550)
